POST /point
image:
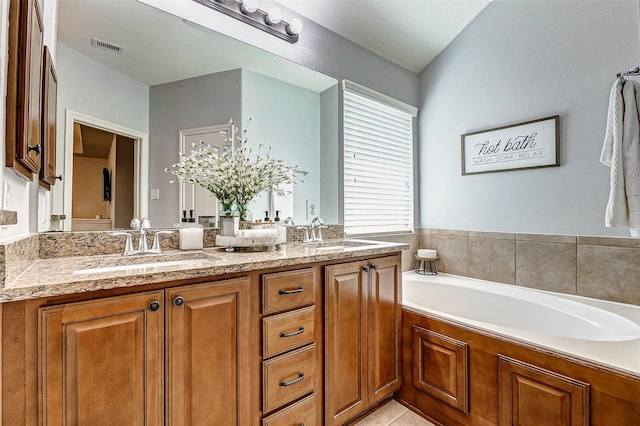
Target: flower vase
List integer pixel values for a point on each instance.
(227, 209)
(244, 213)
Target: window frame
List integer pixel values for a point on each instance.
(401, 107)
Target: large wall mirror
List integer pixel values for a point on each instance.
(135, 75)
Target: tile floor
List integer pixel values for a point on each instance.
(393, 414)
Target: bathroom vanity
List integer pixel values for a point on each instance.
(227, 338)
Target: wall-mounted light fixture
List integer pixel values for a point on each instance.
(248, 12)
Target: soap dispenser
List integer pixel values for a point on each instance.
(191, 233)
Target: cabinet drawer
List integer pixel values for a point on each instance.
(288, 377)
(289, 330)
(288, 290)
(301, 413)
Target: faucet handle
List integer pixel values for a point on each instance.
(128, 245)
(135, 224)
(145, 223)
(319, 233)
(156, 248)
(306, 233)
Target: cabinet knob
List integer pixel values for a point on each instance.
(294, 381)
(59, 177)
(375, 266)
(35, 148)
(366, 268)
(178, 301)
(154, 306)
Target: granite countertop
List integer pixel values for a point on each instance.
(68, 275)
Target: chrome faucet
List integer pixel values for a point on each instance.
(143, 247)
(306, 238)
(142, 226)
(128, 245)
(317, 225)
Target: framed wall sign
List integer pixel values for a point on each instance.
(526, 145)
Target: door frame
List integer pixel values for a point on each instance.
(141, 162)
(183, 134)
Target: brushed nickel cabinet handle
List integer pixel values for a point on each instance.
(294, 381)
(297, 290)
(366, 268)
(293, 333)
(154, 306)
(178, 301)
(375, 266)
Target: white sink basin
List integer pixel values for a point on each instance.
(145, 267)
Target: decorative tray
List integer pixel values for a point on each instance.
(268, 242)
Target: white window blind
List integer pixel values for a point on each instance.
(378, 162)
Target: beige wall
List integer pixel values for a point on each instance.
(87, 188)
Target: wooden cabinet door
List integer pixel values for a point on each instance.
(530, 395)
(347, 381)
(386, 317)
(101, 362)
(208, 365)
(49, 98)
(23, 108)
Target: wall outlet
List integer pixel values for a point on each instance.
(313, 209)
(155, 194)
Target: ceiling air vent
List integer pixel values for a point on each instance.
(106, 45)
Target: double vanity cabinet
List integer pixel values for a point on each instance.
(310, 343)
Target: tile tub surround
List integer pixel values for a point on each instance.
(55, 276)
(599, 267)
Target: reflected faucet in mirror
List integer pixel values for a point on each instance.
(313, 232)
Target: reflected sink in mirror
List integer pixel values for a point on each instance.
(144, 264)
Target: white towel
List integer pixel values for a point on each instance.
(621, 151)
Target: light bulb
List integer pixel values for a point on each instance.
(295, 27)
(249, 6)
(274, 15)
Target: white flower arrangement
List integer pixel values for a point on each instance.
(235, 174)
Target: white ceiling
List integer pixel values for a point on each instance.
(409, 33)
(160, 48)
